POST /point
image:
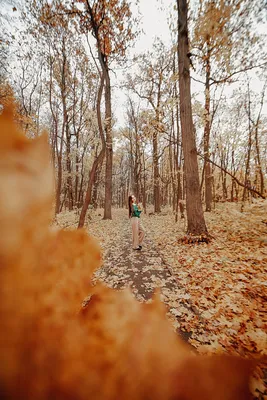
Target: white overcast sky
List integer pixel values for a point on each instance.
(154, 23)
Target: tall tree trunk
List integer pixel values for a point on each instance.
(258, 158)
(56, 150)
(247, 171)
(180, 184)
(178, 163)
(59, 152)
(109, 148)
(68, 167)
(80, 196)
(232, 171)
(138, 162)
(131, 172)
(135, 152)
(171, 163)
(92, 177)
(207, 167)
(196, 225)
(66, 125)
(103, 59)
(98, 160)
(144, 181)
(77, 172)
(96, 184)
(59, 184)
(156, 173)
(77, 128)
(135, 171)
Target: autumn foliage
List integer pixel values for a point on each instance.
(51, 347)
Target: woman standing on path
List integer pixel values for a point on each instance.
(137, 228)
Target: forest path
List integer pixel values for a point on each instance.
(211, 291)
(144, 271)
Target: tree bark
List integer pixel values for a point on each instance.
(196, 225)
(103, 59)
(258, 158)
(178, 162)
(247, 171)
(109, 148)
(98, 160)
(56, 150)
(59, 152)
(144, 181)
(156, 173)
(207, 168)
(91, 181)
(66, 125)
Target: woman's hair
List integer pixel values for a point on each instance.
(130, 203)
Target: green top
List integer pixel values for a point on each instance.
(135, 211)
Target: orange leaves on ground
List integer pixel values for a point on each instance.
(218, 301)
(150, 361)
(225, 279)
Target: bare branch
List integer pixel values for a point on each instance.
(225, 79)
(232, 176)
(197, 80)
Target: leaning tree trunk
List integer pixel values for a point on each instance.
(195, 217)
(95, 188)
(103, 59)
(98, 159)
(92, 177)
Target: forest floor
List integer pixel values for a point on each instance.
(215, 294)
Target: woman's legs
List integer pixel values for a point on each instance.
(141, 232)
(135, 230)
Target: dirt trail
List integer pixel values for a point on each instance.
(143, 271)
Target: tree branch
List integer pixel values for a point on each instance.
(232, 176)
(196, 80)
(235, 73)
